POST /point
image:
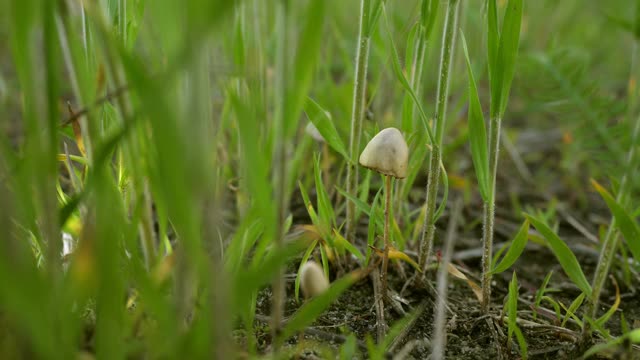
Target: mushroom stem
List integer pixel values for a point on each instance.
(385, 258)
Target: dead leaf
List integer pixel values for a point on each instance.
(453, 270)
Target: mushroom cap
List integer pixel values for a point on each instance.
(312, 279)
(387, 153)
(312, 130)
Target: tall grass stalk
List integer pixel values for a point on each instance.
(279, 161)
(502, 50)
(488, 215)
(610, 244)
(357, 114)
(446, 58)
(428, 17)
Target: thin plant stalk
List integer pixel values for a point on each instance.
(387, 241)
(503, 49)
(446, 58)
(357, 115)
(416, 71)
(439, 331)
(489, 211)
(416, 75)
(279, 160)
(612, 236)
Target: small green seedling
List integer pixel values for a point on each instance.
(388, 154)
(512, 310)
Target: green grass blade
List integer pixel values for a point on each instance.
(418, 151)
(307, 55)
(242, 242)
(542, 290)
(445, 194)
(398, 327)
(325, 208)
(308, 313)
(636, 18)
(397, 70)
(110, 312)
(361, 205)
(377, 215)
(508, 51)
(571, 311)
(493, 41)
(310, 210)
(348, 349)
(429, 14)
(633, 336)
(516, 248)
(604, 318)
(624, 221)
(375, 11)
(565, 256)
(256, 161)
(522, 343)
(512, 304)
(324, 123)
(477, 131)
(341, 242)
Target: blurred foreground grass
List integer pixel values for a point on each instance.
(175, 177)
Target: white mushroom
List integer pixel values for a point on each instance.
(387, 153)
(312, 279)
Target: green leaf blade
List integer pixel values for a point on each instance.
(508, 50)
(397, 70)
(323, 122)
(512, 304)
(325, 208)
(477, 131)
(492, 50)
(624, 221)
(565, 256)
(305, 61)
(517, 246)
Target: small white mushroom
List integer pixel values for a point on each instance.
(312, 279)
(387, 153)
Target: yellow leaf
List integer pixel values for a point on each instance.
(399, 255)
(453, 270)
(604, 318)
(307, 232)
(329, 251)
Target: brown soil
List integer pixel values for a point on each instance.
(468, 332)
